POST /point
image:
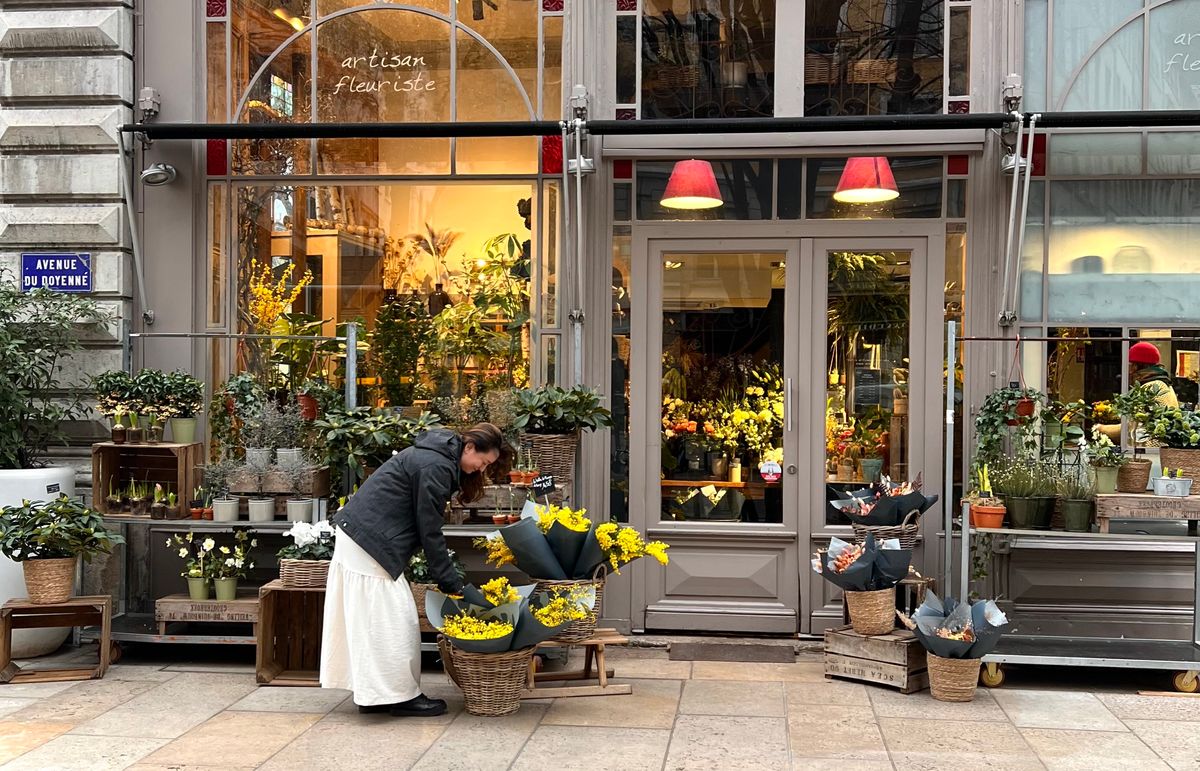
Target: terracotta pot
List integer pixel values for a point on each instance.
(207, 513)
(987, 516)
(1024, 408)
(308, 406)
(499, 519)
(197, 513)
(515, 477)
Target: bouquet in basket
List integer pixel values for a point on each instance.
(957, 630)
(866, 567)
(309, 542)
(498, 617)
(885, 503)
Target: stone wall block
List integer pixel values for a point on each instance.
(67, 79)
(63, 128)
(71, 29)
(48, 227)
(40, 176)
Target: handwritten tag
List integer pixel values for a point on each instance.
(543, 485)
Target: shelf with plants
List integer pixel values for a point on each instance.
(123, 474)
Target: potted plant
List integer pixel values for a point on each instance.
(306, 561)
(48, 538)
(257, 435)
(229, 564)
(987, 510)
(1135, 406)
(113, 389)
(196, 506)
(139, 498)
(403, 333)
(1172, 483)
(299, 505)
(1178, 431)
(216, 479)
(1107, 420)
(158, 505)
(112, 501)
(998, 414)
(1060, 423)
(550, 419)
(1027, 492)
(261, 508)
(1078, 498)
(197, 567)
(185, 399)
(315, 396)
(360, 440)
(1105, 459)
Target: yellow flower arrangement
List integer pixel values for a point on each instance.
(499, 592)
(269, 298)
(560, 610)
(498, 553)
(622, 545)
(572, 519)
(464, 627)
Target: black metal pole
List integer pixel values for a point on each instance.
(342, 130)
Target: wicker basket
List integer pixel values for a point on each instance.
(872, 612)
(1133, 476)
(818, 68)
(585, 627)
(906, 531)
(553, 454)
(49, 581)
(491, 682)
(872, 71)
(1187, 461)
(306, 573)
(418, 593)
(952, 679)
(676, 75)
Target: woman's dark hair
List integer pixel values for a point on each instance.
(484, 437)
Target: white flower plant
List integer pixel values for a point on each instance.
(310, 542)
(204, 559)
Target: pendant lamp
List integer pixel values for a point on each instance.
(866, 180)
(692, 186)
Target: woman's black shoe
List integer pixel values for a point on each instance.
(422, 706)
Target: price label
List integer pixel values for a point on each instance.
(543, 485)
(54, 488)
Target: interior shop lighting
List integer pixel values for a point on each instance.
(866, 179)
(693, 185)
(297, 24)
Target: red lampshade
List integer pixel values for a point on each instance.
(866, 180)
(692, 186)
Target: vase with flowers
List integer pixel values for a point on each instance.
(230, 563)
(196, 554)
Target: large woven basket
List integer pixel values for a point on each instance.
(818, 68)
(491, 682)
(872, 71)
(553, 454)
(1133, 476)
(952, 679)
(872, 613)
(49, 580)
(906, 531)
(418, 593)
(585, 627)
(306, 573)
(1187, 461)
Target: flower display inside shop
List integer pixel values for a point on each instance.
(271, 297)
(741, 417)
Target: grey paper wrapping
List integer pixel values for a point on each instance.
(990, 625)
(591, 556)
(509, 613)
(438, 606)
(498, 645)
(934, 615)
(566, 545)
(857, 576)
(534, 556)
(472, 595)
(698, 507)
(530, 631)
(891, 565)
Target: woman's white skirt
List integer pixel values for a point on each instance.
(371, 640)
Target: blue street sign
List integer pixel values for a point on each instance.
(57, 271)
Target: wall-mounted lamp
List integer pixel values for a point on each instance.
(1012, 163)
(159, 174)
(693, 185)
(866, 179)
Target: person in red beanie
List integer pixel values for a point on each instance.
(1145, 369)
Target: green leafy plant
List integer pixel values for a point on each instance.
(233, 561)
(1021, 479)
(1075, 484)
(328, 398)
(38, 331)
(363, 438)
(309, 542)
(1134, 406)
(60, 528)
(403, 332)
(556, 410)
(1173, 427)
(997, 416)
(113, 390)
(183, 395)
(417, 571)
(152, 392)
(1102, 452)
(241, 396)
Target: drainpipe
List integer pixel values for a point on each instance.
(1007, 317)
(135, 240)
(1033, 121)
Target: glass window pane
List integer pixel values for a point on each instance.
(1036, 49)
(326, 7)
(867, 364)
(722, 413)
(745, 187)
(956, 198)
(1084, 370)
(954, 301)
(1180, 358)
(551, 235)
(873, 57)
(1174, 55)
(487, 92)
(622, 201)
(627, 27)
(918, 180)
(621, 308)
(1030, 281)
(1096, 154)
(552, 67)
(960, 51)
(708, 60)
(550, 359)
(218, 254)
(791, 187)
(1123, 250)
(1112, 78)
(214, 47)
(1174, 153)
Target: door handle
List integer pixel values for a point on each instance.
(787, 402)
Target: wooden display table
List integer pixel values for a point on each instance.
(172, 465)
(1147, 506)
(289, 635)
(77, 611)
(180, 608)
(593, 651)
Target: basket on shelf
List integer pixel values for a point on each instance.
(491, 682)
(874, 612)
(906, 531)
(676, 75)
(872, 71)
(818, 68)
(585, 627)
(952, 679)
(1133, 476)
(49, 581)
(418, 593)
(305, 573)
(553, 454)
(1187, 461)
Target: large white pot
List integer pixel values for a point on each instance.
(36, 484)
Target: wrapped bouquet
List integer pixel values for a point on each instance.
(956, 635)
(499, 617)
(867, 573)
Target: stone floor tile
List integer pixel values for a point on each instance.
(827, 764)
(216, 667)
(151, 672)
(649, 668)
(85, 701)
(234, 738)
(290, 699)
(572, 748)
(18, 738)
(832, 692)
(36, 690)
(975, 761)
(1056, 709)
(11, 705)
(361, 742)
(652, 704)
(804, 672)
(473, 743)
(1176, 742)
(816, 731)
(450, 693)
(1067, 750)
(728, 743)
(922, 706)
(175, 706)
(918, 740)
(1135, 707)
(183, 767)
(732, 697)
(85, 753)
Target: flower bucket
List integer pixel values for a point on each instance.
(1106, 479)
(183, 430)
(1171, 487)
(872, 613)
(1077, 515)
(198, 589)
(1134, 476)
(49, 581)
(226, 588)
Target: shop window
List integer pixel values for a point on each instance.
(1179, 356)
(1078, 155)
(873, 57)
(960, 50)
(620, 433)
(254, 35)
(216, 87)
(745, 187)
(1029, 296)
(1088, 370)
(918, 180)
(218, 259)
(707, 60)
(1173, 152)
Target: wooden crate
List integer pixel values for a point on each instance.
(314, 483)
(172, 465)
(77, 611)
(289, 635)
(176, 608)
(896, 660)
(1146, 506)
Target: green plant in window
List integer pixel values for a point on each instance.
(403, 332)
(865, 301)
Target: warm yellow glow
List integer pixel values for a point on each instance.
(691, 202)
(866, 195)
(297, 24)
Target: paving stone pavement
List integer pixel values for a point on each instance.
(152, 713)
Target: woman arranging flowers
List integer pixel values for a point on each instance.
(371, 641)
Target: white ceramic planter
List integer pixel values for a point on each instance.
(293, 455)
(257, 457)
(226, 510)
(36, 485)
(262, 509)
(300, 510)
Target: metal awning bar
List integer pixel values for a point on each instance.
(820, 123)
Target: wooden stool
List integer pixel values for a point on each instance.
(593, 651)
(77, 611)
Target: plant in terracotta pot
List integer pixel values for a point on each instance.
(987, 510)
(48, 539)
(1003, 410)
(196, 505)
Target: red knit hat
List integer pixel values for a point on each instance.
(1143, 353)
